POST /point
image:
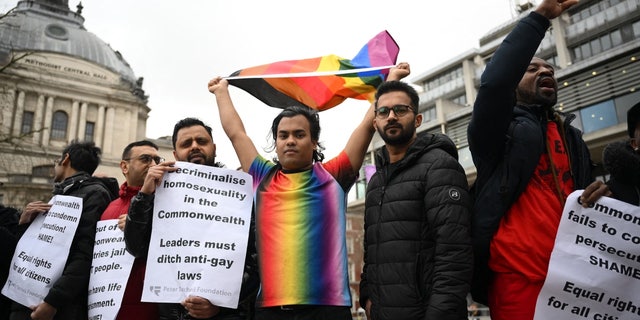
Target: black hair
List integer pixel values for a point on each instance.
(314, 127)
(391, 86)
(186, 123)
(83, 156)
(127, 150)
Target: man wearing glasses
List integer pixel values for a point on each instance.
(137, 158)
(417, 248)
(192, 142)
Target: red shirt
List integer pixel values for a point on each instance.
(527, 232)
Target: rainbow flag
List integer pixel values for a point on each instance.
(321, 83)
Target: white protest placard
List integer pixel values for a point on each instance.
(594, 271)
(199, 237)
(42, 251)
(110, 271)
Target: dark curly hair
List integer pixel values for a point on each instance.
(84, 156)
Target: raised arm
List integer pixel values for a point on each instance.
(493, 107)
(358, 143)
(232, 124)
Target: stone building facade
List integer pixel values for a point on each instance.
(59, 83)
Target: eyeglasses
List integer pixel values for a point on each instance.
(399, 109)
(146, 158)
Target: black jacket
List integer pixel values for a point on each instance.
(137, 234)
(506, 141)
(417, 251)
(69, 293)
(623, 163)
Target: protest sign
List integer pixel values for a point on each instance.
(594, 271)
(42, 251)
(199, 238)
(110, 271)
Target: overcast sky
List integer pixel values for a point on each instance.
(177, 46)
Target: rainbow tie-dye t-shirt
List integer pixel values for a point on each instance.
(300, 233)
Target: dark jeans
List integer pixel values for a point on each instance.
(304, 312)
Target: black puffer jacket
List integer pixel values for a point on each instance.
(72, 286)
(418, 257)
(623, 163)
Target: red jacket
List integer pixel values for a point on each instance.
(132, 308)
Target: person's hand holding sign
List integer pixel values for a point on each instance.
(200, 308)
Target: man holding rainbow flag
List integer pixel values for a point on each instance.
(300, 206)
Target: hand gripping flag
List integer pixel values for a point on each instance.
(321, 83)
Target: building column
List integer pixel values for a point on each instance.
(37, 120)
(8, 98)
(73, 122)
(133, 125)
(100, 126)
(17, 120)
(7, 111)
(469, 76)
(48, 116)
(82, 120)
(125, 126)
(558, 26)
(440, 112)
(108, 131)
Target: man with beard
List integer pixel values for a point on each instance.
(417, 247)
(528, 159)
(300, 205)
(192, 142)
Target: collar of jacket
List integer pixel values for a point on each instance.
(542, 113)
(423, 143)
(67, 184)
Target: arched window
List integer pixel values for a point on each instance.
(59, 125)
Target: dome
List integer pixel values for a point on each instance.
(49, 26)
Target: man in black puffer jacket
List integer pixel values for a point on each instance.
(67, 298)
(417, 250)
